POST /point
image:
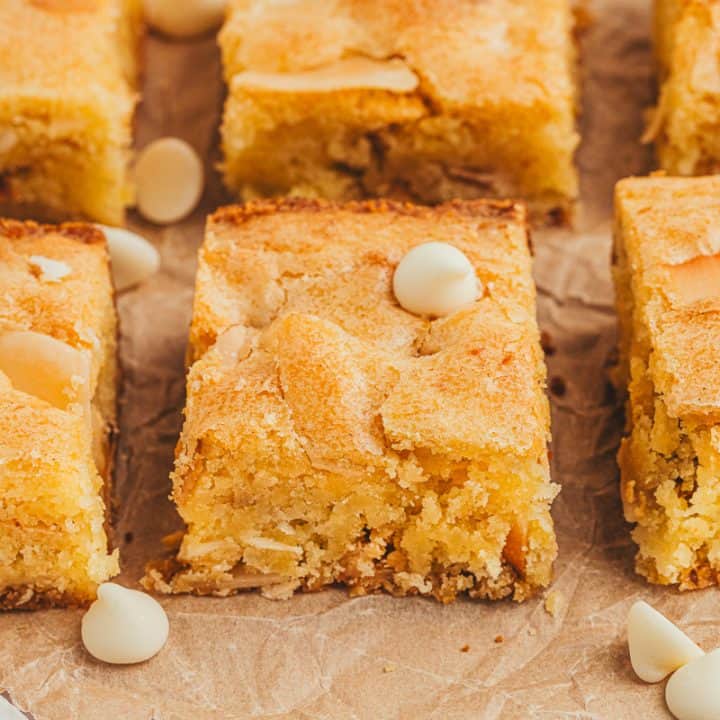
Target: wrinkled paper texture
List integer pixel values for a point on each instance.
(325, 655)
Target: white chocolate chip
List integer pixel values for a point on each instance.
(47, 368)
(124, 626)
(10, 712)
(184, 18)
(347, 74)
(169, 180)
(657, 647)
(52, 271)
(693, 692)
(132, 258)
(435, 279)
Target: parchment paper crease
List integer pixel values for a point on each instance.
(324, 655)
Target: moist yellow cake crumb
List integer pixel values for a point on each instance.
(686, 123)
(667, 277)
(67, 94)
(57, 413)
(332, 437)
(424, 101)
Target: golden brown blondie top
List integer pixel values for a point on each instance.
(518, 51)
(309, 283)
(670, 230)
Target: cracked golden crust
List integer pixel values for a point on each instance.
(666, 224)
(526, 41)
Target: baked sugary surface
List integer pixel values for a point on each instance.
(667, 272)
(686, 126)
(493, 110)
(55, 463)
(67, 77)
(331, 436)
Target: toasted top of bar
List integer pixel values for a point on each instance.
(298, 295)
(55, 280)
(60, 49)
(465, 52)
(670, 229)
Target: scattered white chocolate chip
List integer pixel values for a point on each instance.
(47, 368)
(169, 180)
(693, 692)
(124, 626)
(695, 280)
(186, 18)
(50, 270)
(347, 74)
(657, 647)
(132, 258)
(435, 279)
(9, 711)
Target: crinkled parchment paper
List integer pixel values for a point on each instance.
(327, 656)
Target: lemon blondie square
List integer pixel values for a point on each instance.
(67, 95)
(686, 123)
(332, 437)
(667, 274)
(57, 413)
(423, 101)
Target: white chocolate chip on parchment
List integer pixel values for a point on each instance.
(657, 647)
(124, 626)
(693, 691)
(169, 180)
(184, 18)
(132, 258)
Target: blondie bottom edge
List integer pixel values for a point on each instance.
(332, 437)
(667, 275)
(58, 377)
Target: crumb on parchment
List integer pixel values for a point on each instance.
(554, 602)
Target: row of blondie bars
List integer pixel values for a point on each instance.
(331, 435)
(422, 100)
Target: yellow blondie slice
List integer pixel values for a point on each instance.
(667, 274)
(331, 436)
(686, 123)
(67, 78)
(58, 376)
(424, 101)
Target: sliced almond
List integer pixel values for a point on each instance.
(696, 280)
(232, 344)
(52, 271)
(47, 368)
(349, 74)
(516, 545)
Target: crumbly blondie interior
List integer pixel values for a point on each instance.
(686, 123)
(58, 377)
(332, 437)
(319, 104)
(67, 78)
(667, 274)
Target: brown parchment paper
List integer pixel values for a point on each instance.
(325, 655)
